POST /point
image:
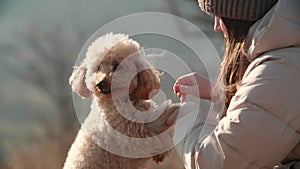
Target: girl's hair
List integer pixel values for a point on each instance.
(234, 61)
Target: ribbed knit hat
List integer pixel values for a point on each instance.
(250, 10)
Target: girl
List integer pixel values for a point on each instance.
(258, 82)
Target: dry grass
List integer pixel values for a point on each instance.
(48, 154)
(51, 153)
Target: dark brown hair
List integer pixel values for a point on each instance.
(234, 61)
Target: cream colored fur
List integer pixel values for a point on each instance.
(104, 128)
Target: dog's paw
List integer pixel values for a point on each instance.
(166, 109)
(160, 158)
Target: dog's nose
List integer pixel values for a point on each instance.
(101, 85)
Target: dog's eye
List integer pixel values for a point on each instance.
(99, 68)
(115, 67)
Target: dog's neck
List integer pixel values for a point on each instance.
(109, 106)
(118, 113)
(103, 103)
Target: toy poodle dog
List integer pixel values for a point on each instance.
(124, 128)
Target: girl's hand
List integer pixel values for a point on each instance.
(185, 109)
(192, 84)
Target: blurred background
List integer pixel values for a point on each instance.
(39, 43)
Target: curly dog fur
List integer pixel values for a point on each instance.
(104, 75)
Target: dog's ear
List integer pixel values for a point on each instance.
(77, 81)
(148, 81)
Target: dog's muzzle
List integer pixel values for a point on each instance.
(102, 87)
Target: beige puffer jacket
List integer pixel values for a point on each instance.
(262, 126)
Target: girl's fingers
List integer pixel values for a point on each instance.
(182, 98)
(186, 108)
(176, 89)
(182, 91)
(189, 90)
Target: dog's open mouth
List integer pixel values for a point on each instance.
(106, 91)
(103, 87)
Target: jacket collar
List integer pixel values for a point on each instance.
(279, 28)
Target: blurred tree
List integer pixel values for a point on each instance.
(2, 4)
(47, 64)
(190, 10)
(48, 67)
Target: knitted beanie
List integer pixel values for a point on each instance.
(250, 10)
